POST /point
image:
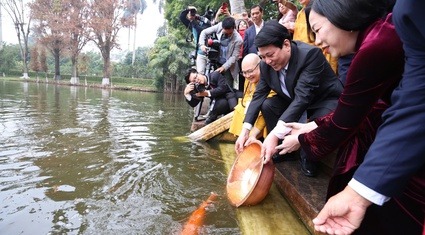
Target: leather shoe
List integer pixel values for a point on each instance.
(308, 168)
(210, 119)
(276, 158)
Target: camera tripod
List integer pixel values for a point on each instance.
(210, 67)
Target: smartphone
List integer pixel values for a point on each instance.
(224, 5)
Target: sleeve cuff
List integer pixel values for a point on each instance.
(280, 130)
(188, 97)
(247, 126)
(368, 193)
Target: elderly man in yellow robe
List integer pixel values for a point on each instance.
(251, 71)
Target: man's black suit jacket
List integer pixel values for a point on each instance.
(310, 81)
(248, 41)
(217, 88)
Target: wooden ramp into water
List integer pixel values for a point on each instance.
(217, 129)
(273, 215)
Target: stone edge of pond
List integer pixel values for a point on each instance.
(65, 83)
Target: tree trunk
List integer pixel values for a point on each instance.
(56, 54)
(175, 87)
(24, 54)
(237, 6)
(106, 66)
(74, 77)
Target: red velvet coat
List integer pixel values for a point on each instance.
(375, 71)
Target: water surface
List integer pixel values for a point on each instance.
(76, 160)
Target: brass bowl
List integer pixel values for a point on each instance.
(249, 179)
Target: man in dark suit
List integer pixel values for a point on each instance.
(304, 83)
(223, 99)
(252, 31)
(393, 172)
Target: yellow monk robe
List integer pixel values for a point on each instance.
(301, 34)
(240, 111)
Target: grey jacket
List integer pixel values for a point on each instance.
(234, 47)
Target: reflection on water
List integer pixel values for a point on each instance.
(76, 160)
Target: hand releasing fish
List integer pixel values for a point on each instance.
(197, 217)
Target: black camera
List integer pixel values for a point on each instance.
(199, 88)
(209, 13)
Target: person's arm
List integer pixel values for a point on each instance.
(193, 101)
(218, 82)
(183, 17)
(202, 23)
(204, 34)
(342, 213)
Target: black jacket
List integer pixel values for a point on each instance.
(217, 88)
(310, 81)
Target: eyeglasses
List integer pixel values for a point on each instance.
(249, 72)
(194, 78)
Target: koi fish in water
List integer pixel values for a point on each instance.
(197, 217)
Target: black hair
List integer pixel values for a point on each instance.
(187, 74)
(279, 15)
(272, 33)
(257, 5)
(310, 35)
(351, 14)
(228, 23)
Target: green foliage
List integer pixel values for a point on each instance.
(168, 60)
(162, 64)
(9, 56)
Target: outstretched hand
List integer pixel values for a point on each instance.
(342, 214)
(289, 144)
(269, 147)
(301, 128)
(244, 141)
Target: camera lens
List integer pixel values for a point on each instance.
(199, 87)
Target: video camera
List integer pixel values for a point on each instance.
(213, 50)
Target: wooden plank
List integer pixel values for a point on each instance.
(272, 216)
(213, 129)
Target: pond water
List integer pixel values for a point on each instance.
(78, 160)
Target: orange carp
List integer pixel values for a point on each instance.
(197, 218)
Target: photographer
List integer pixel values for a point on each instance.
(195, 23)
(223, 99)
(230, 45)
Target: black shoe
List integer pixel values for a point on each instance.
(283, 158)
(210, 119)
(308, 168)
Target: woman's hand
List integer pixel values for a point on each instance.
(301, 128)
(289, 144)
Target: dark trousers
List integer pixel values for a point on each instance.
(272, 108)
(224, 104)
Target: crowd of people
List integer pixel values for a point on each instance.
(330, 76)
